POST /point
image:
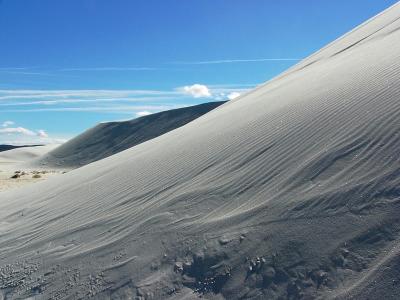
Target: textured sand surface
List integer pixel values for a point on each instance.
(24, 154)
(109, 138)
(7, 180)
(15, 159)
(291, 191)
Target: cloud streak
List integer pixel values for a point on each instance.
(99, 100)
(110, 109)
(4, 94)
(229, 61)
(103, 69)
(115, 101)
(24, 136)
(17, 130)
(7, 123)
(26, 73)
(12, 68)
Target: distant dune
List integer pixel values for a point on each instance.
(9, 147)
(23, 154)
(289, 192)
(109, 138)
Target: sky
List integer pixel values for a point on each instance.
(66, 65)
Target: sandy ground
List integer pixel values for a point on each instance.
(26, 177)
(12, 164)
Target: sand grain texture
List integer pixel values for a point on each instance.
(291, 191)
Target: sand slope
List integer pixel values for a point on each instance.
(10, 147)
(23, 155)
(291, 191)
(109, 138)
(17, 159)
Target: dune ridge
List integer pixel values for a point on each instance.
(290, 191)
(109, 138)
(6, 147)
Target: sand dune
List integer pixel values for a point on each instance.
(13, 157)
(109, 138)
(10, 147)
(290, 191)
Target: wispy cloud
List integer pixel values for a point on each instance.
(233, 85)
(109, 109)
(61, 72)
(228, 61)
(83, 101)
(7, 123)
(25, 136)
(12, 68)
(115, 100)
(29, 94)
(16, 72)
(17, 130)
(101, 69)
(23, 131)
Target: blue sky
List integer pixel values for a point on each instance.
(66, 65)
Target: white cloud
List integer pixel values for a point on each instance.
(24, 136)
(233, 95)
(17, 130)
(112, 101)
(41, 133)
(24, 140)
(7, 123)
(23, 131)
(113, 98)
(143, 113)
(196, 90)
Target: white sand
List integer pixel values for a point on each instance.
(21, 155)
(109, 138)
(27, 177)
(290, 191)
(16, 160)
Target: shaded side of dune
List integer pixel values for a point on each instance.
(109, 138)
(10, 147)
